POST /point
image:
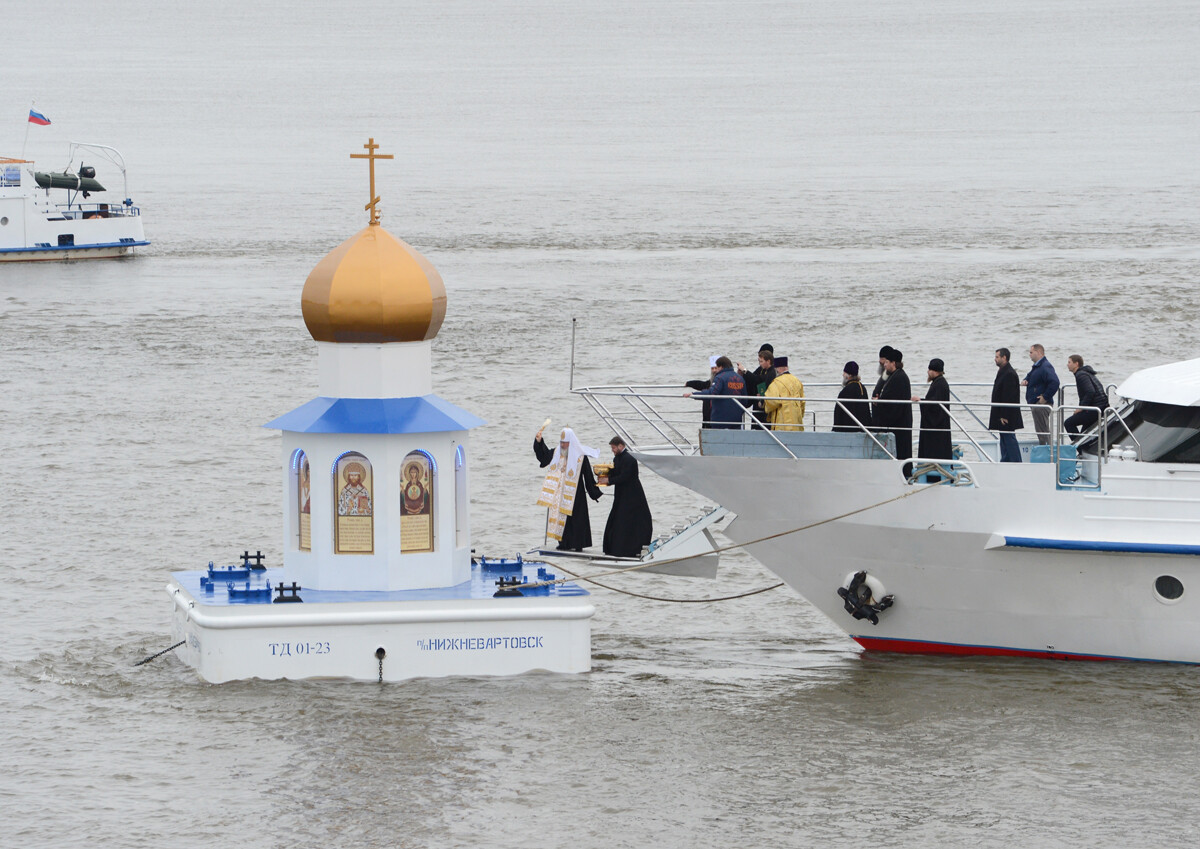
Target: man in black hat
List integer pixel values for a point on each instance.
(934, 442)
(896, 417)
(1006, 419)
(884, 353)
(853, 410)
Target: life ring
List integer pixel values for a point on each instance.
(864, 596)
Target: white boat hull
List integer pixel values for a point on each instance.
(77, 252)
(956, 590)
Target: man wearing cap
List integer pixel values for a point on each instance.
(934, 441)
(854, 412)
(784, 415)
(1006, 419)
(706, 407)
(726, 412)
(896, 417)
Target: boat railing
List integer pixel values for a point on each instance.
(659, 418)
(82, 211)
(107, 152)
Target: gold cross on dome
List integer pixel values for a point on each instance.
(372, 156)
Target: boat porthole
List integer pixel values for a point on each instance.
(4, 220)
(1168, 589)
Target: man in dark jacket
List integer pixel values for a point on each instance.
(1007, 420)
(706, 407)
(1041, 389)
(758, 381)
(1091, 394)
(896, 418)
(630, 526)
(854, 413)
(934, 442)
(726, 412)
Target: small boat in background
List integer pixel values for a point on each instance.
(37, 226)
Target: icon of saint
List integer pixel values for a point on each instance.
(354, 499)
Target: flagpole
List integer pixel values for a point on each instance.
(31, 104)
(573, 321)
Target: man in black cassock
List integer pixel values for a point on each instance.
(577, 532)
(629, 525)
(896, 418)
(934, 442)
(854, 409)
(884, 353)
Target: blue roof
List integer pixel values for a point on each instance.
(423, 414)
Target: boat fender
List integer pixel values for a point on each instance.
(865, 597)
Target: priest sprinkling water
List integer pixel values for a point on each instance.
(568, 520)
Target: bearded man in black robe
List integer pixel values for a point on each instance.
(854, 413)
(934, 442)
(884, 352)
(630, 526)
(896, 418)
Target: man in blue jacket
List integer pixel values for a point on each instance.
(1041, 388)
(726, 412)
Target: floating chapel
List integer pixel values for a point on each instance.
(378, 579)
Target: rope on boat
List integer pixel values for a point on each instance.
(663, 598)
(160, 654)
(591, 579)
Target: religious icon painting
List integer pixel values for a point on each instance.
(304, 501)
(354, 529)
(416, 503)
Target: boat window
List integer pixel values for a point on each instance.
(1168, 588)
(1167, 433)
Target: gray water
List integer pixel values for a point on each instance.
(685, 179)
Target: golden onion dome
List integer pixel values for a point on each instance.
(373, 288)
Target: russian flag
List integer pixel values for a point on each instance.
(38, 118)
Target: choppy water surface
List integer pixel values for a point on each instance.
(686, 180)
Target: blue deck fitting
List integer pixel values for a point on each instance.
(481, 585)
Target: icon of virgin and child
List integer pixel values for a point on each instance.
(416, 493)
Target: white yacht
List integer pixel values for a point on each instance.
(1087, 550)
(68, 224)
